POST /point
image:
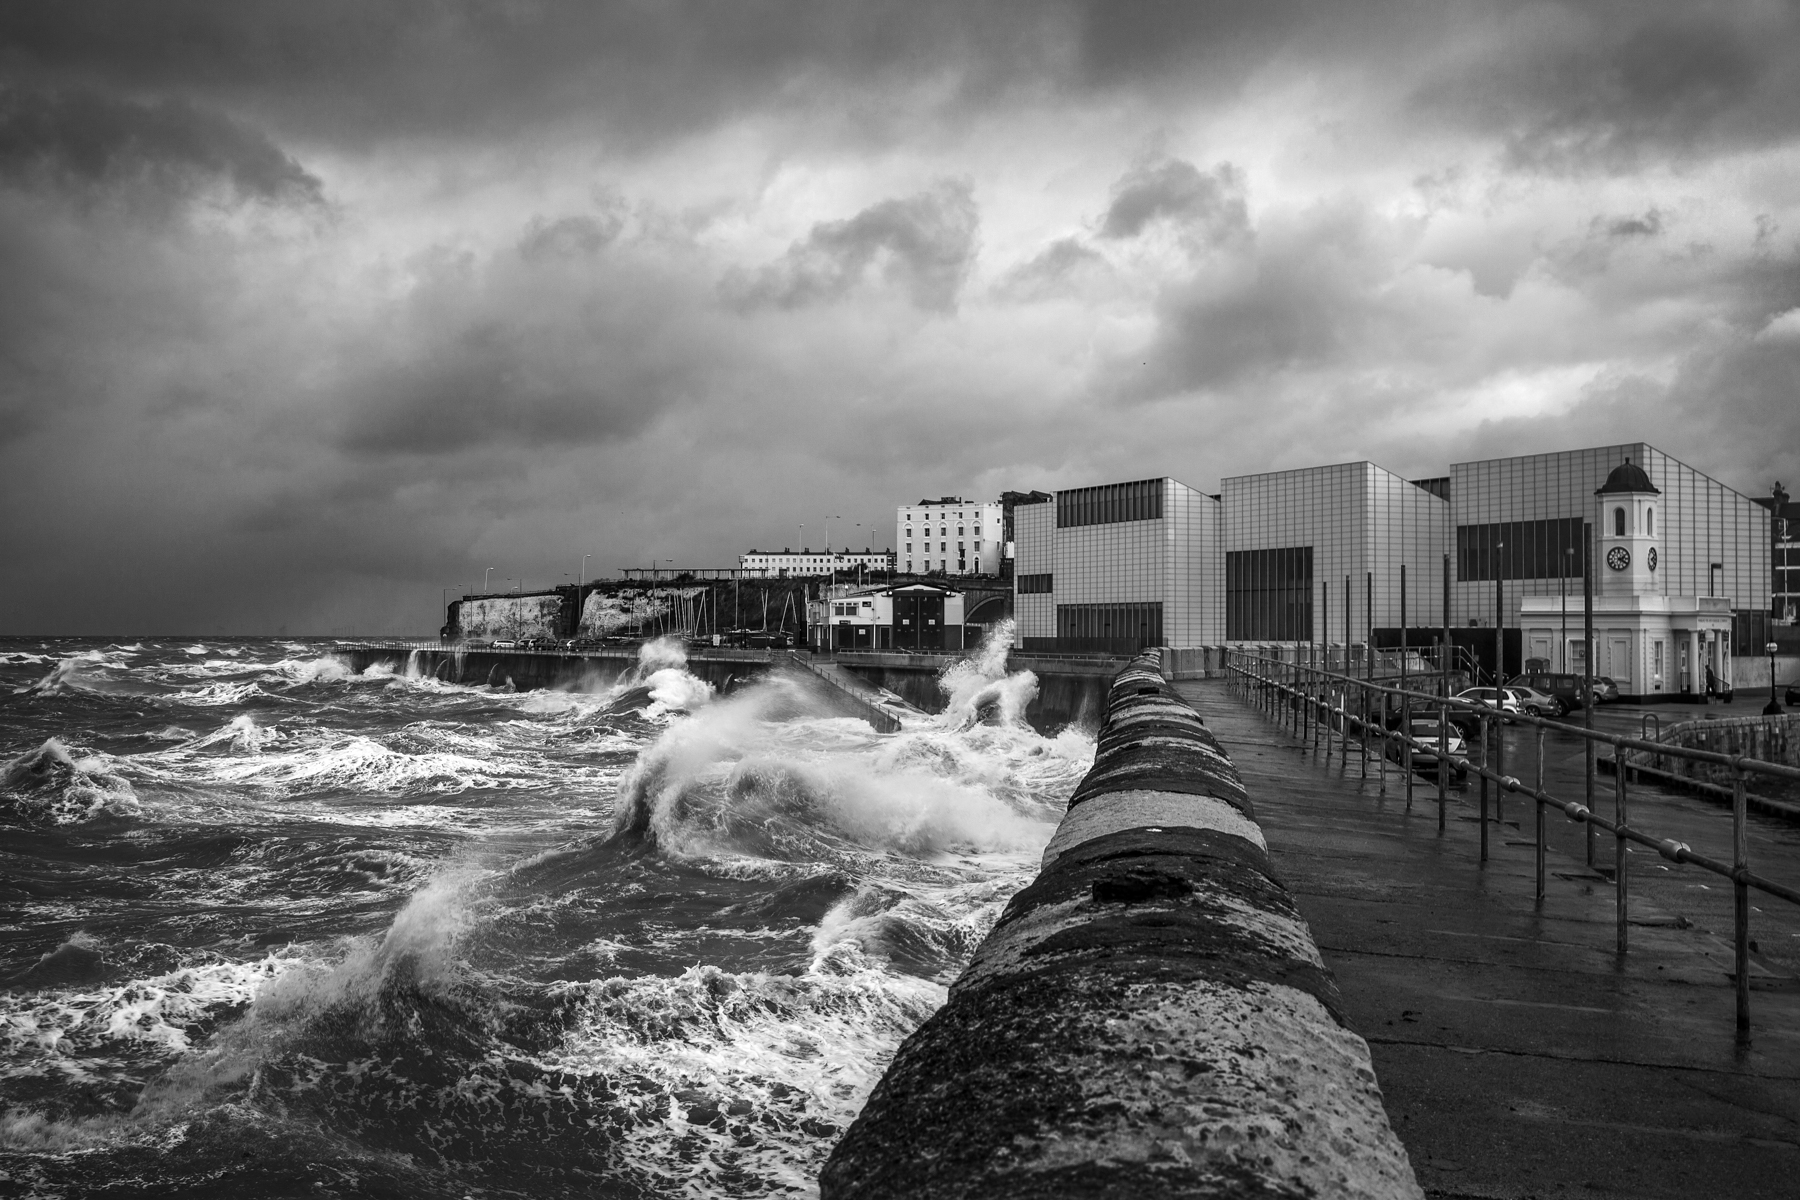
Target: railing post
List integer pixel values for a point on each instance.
(1621, 876)
(1482, 726)
(1500, 761)
(1406, 746)
(1740, 897)
(1538, 803)
(1383, 735)
(1443, 759)
(1362, 729)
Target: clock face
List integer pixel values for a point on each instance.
(1650, 559)
(1618, 558)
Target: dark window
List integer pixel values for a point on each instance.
(1115, 627)
(1110, 504)
(1268, 595)
(1618, 522)
(1035, 585)
(1520, 550)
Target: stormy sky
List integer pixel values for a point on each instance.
(312, 310)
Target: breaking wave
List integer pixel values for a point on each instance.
(50, 785)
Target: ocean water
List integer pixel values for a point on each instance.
(272, 928)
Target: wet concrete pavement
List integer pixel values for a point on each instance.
(1518, 1053)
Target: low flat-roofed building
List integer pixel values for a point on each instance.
(1118, 567)
(920, 617)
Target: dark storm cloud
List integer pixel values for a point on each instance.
(569, 237)
(88, 139)
(1211, 204)
(1613, 87)
(927, 243)
(1648, 225)
(361, 71)
(1301, 296)
(1058, 267)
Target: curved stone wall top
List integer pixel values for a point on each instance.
(1150, 1016)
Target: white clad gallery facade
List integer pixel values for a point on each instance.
(1339, 553)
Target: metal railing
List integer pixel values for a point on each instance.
(1310, 701)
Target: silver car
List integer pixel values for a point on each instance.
(1428, 738)
(1538, 704)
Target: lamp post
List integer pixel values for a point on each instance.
(485, 575)
(1773, 708)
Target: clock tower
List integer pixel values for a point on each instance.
(1629, 533)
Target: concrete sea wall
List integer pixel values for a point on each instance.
(1150, 1017)
(1071, 691)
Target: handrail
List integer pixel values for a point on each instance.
(1308, 693)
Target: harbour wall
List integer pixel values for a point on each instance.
(1149, 1017)
(1071, 691)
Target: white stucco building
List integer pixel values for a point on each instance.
(1655, 634)
(776, 564)
(950, 535)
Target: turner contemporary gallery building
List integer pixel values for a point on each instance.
(1334, 554)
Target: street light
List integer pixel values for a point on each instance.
(484, 579)
(1773, 708)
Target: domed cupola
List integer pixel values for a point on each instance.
(1626, 524)
(1627, 477)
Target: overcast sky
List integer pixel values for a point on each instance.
(311, 310)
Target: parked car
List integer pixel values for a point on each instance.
(1793, 693)
(1538, 704)
(1568, 688)
(1605, 690)
(1487, 697)
(505, 645)
(1425, 737)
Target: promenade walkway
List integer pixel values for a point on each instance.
(1518, 1054)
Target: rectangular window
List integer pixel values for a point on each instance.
(1268, 595)
(1109, 504)
(1520, 550)
(1115, 627)
(1035, 585)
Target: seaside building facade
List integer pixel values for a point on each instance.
(918, 617)
(788, 564)
(1681, 564)
(1316, 554)
(1118, 567)
(949, 536)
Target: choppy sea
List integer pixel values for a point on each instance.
(272, 928)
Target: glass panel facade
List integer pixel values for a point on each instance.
(1364, 523)
(1035, 585)
(1268, 594)
(1548, 549)
(1110, 504)
(1699, 521)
